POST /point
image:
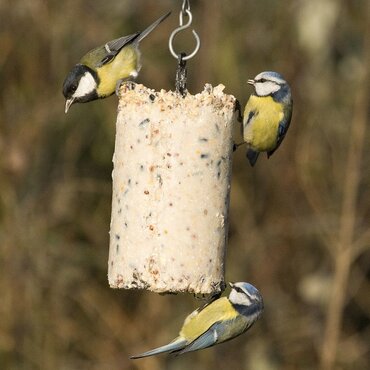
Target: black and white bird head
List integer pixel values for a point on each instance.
(269, 83)
(245, 294)
(80, 85)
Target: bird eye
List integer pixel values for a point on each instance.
(262, 80)
(72, 88)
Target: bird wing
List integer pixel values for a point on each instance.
(115, 46)
(106, 53)
(227, 327)
(282, 130)
(198, 323)
(207, 339)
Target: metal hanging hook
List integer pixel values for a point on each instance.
(185, 5)
(185, 10)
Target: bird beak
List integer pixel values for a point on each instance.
(69, 102)
(231, 284)
(250, 82)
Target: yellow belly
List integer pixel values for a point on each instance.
(122, 67)
(261, 133)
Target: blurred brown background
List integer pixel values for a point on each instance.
(299, 222)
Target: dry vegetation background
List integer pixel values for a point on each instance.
(299, 221)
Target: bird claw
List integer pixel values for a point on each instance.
(130, 85)
(236, 145)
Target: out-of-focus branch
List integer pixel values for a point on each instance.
(346, 237)
(362, 243)
(316, 200)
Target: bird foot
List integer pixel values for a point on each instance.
(129, 85)
(236, 146)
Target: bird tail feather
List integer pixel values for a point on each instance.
(151, 27)
(175, 345)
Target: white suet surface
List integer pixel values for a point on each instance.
(171, 184)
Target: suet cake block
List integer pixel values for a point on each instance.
(171, 185)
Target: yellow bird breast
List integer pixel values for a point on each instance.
(124, 65)
(197, 323)
(262, 130)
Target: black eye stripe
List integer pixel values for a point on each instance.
(240, 290)
(262, 80)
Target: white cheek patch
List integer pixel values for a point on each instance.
(86, 85)
(266, 88)
(239, 298)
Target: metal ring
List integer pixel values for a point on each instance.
(181, 28)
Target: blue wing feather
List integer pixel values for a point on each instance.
(207, 339)
(282, 130)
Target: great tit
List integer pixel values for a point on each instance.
(267, 114)
(219, 321)
(103, 68)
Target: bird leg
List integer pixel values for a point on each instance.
(236, 146)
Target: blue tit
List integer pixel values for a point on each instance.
(103, 68)
(216, 322)
(267, 114)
